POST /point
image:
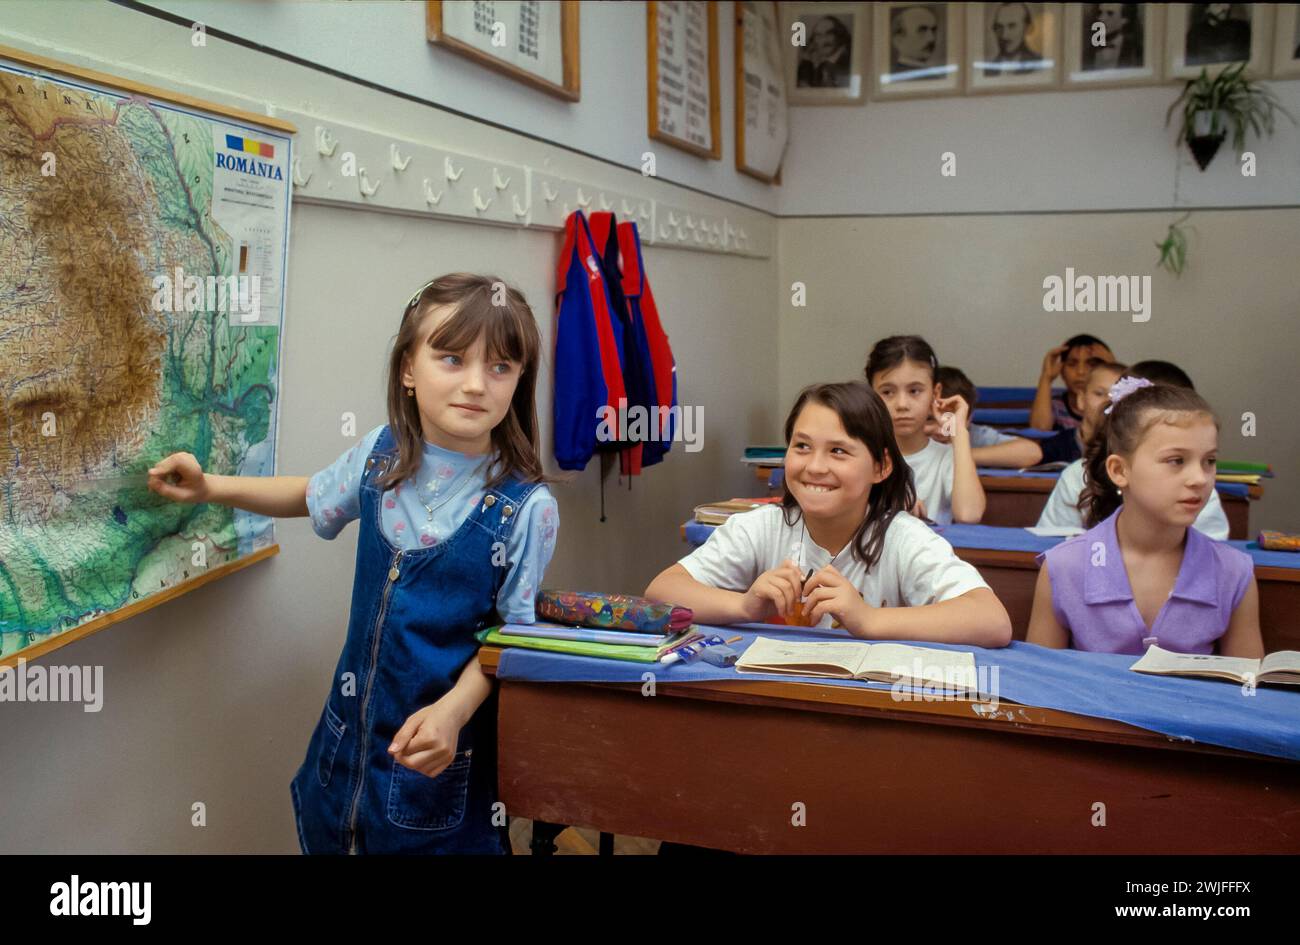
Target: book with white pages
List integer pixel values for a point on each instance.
(1054, 531)
(952, 670)
(1281, 667)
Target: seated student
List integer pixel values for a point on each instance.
(1062, 508)
(902, 371)
(1063, 410)
(954, 382)
(1140, 575)
(1065, 446)
(842, 541)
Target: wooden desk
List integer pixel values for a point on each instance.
(1012, 575)
(874, 775)
(1017, 502)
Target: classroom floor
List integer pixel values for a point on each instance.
(578, 840)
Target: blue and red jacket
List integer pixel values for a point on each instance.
(610, 348)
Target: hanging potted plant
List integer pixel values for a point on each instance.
(1212, 106)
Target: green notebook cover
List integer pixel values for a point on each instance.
(612, 651)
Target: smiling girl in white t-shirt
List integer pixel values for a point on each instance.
(841, 546)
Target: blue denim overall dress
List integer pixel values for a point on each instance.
(411, 632)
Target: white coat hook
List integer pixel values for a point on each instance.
(604, 204)
(520, 209)
(625, 207)
(583, 200)
(298, 179)
(325, 142)
(690, 222)
(550, 194)
(396, 157)
(429, 196)
(498, 182)
(450, 170)
(367, 189)
(665, 231)
(673, 221)
(479, 203)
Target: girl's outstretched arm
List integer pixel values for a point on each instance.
(180, 478)
(712, 605)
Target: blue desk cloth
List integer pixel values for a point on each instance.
(998, 538)
(1003, 473)
(1002, 395)
(1005, 416)
(1099, 685)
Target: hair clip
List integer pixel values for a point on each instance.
(1123, 387)
(415, 298)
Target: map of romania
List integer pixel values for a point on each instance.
(97, 379)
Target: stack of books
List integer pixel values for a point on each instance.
(764, 456)
(610, 626)
(1249, 473)
(715, 513)
(587, 641)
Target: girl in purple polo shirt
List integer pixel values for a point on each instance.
(1141, 575)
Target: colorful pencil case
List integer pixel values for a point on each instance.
(1279, 541)
(611, 612)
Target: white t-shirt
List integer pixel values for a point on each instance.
(916, 566)
(1062, 508)
(932, 470)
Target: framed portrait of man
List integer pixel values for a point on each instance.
(916, 49)
(1286, 41)
(1111, 44)
(826, 52)
(1012, 47)
(1213, 36)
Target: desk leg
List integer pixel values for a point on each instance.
(544, 834)
(606, 844)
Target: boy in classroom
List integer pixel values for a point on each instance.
(1064, 446)
(953, 382)
(1063, 410)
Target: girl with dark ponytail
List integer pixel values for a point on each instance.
(1140, 575)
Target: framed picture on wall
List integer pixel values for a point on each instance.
(826, 52)
(1112, 44)
(762, 120)
(682, 75)
(533, 41)
(1286, 42)
(916, 49)
(1212, 36)
(1012, 47)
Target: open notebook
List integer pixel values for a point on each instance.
(853, 659)
(1280, 667)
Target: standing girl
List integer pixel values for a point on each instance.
(1140, 575)
(457, 528)
(902, 371)
(841, 546)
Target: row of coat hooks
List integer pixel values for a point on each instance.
(354, 165)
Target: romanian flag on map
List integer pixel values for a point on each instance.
(235, 143)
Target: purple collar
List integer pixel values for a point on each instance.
(1198, 574)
